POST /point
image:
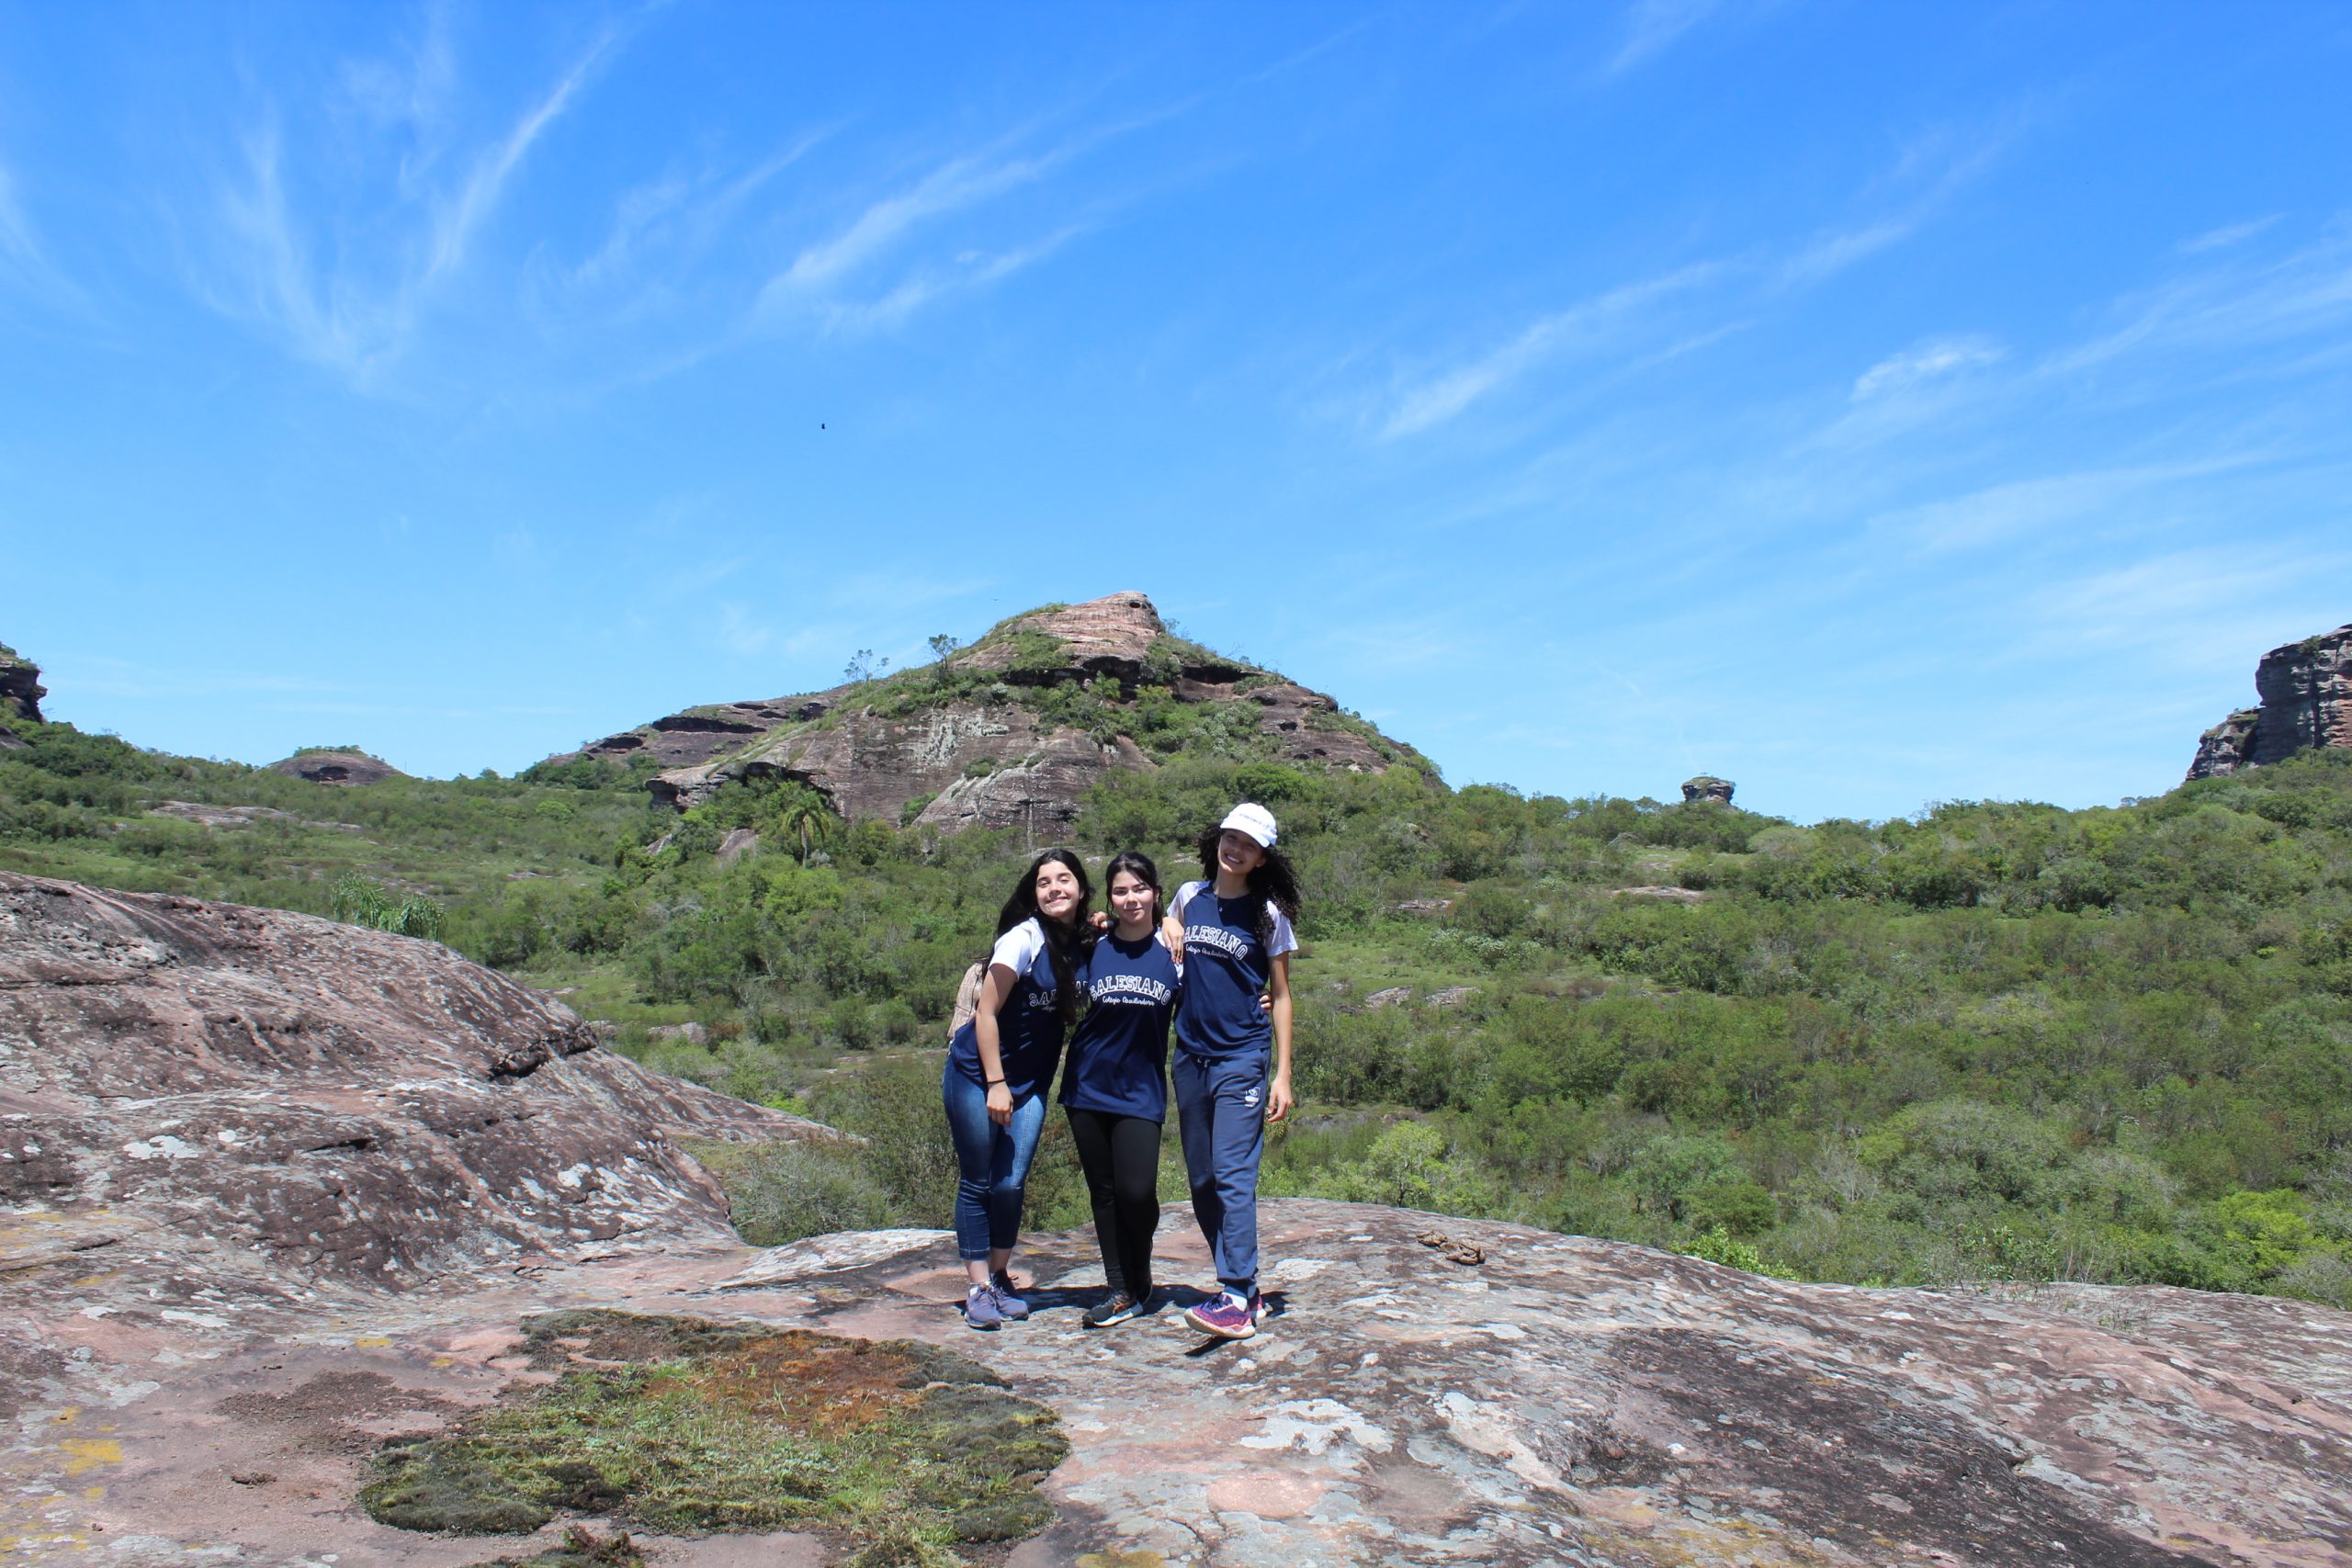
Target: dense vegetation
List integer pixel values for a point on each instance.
(1995, 1041)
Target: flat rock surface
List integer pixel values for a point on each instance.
(1562, 1401)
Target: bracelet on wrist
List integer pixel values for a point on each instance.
(994, 1081)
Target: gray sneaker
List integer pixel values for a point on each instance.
(1116, 1307)
(980, 1309)
(1008, 1304)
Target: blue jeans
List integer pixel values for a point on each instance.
(991, 1164)
(1221, 1112)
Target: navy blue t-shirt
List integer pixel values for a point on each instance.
(1028, 1027)
(1227, 966)
(1118, 1054)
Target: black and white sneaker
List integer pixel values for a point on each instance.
(1116, 1307)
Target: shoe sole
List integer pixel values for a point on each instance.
(1113, 1322)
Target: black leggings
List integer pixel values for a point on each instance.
(1121, 1158)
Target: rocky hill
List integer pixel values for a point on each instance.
(1010, 731)
(2306, 703)
(289, 1199)
(260, 1104)
(339, 765)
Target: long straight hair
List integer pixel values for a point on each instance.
(1138, 864)
(1063, 939)
(1273, 883)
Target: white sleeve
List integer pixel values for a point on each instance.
(1184, 896)
(1018, 948)
(1284, 939)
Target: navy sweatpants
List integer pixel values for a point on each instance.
(1221, 1113)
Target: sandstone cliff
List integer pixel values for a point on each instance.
(2306, 703)
(1011, 731)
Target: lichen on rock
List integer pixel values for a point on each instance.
(689, 1426)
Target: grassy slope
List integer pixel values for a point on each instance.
(2002, 1041)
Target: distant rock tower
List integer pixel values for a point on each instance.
(1706, 786)
(20, 687)
(2306, 692)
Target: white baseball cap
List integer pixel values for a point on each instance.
(1253, 820)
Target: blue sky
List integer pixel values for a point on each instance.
(1874, 404)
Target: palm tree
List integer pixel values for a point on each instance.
(807, 816)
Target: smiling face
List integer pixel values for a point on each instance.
(1238, 854)
(1057, 893)
(1131, 901)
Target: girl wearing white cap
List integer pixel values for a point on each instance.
(1238, 942)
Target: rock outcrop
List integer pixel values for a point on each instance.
(20, 687)
(337, 767)
(1508, 1399)
(253, 1103)
(2306, 703)
(976, 738)
(1706, 786)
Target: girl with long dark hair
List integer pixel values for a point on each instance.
(998, 1066)
(1238, 942)
(1114, 1090)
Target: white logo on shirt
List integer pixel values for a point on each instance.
(1134, 990)
(1231, 942)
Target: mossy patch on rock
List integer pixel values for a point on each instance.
(689, 1426)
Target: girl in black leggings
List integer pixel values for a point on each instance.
(1115, 1087)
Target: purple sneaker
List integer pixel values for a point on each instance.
(1008, 1304)
(980, 1309)
(1224, 1317)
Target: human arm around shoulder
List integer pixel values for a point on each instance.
(1279, 1099)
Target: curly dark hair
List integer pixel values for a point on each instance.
(1273, 883)
(1064, 938)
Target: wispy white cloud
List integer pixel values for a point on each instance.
(2296, 300)
(953, 186)
(2051, 503)
(1581, 327)
(1922, 181)
(2195, 609)
(970, 270)
(1930, 361)
(305, 278)
(2227, 235)
(461, 215)
(1825, 257)
(681, 215)
(1652, 26)
(24, 266)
